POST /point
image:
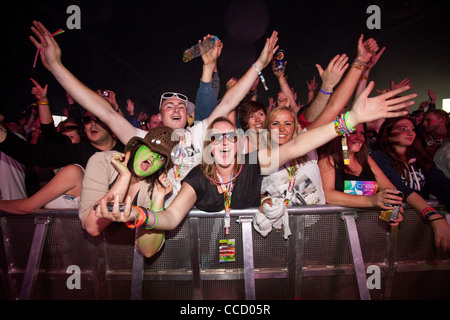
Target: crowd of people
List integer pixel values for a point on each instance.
(230, 152)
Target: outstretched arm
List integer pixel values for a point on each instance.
(67, 181)
(50, 54)
(364, 110)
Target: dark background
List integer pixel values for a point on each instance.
(135, 47)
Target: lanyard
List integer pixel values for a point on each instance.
(292, 169)
(345, 150)
(227, 189)
(177, 167)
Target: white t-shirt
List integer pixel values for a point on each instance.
(307, 189)
(12, 178)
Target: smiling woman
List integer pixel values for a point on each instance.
(404, 161)
(357, 182)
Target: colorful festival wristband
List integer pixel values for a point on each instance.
(155, 222)
(428, 211)
(138, 221)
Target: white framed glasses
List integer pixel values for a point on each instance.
(168, 95)
(217, 138)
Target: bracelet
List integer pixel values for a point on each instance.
(44, 103)
(325, 92)
(441, 218)
(261, 77)
(140, 220)
(427, 212)
(342, 125)
(361, 65)
(365, 64)
(265, 198)
(155, 215)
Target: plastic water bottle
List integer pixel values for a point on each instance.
(198, 49)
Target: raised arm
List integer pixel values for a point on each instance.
(206, 98)
(345, 90)
(238, 92)
(284, 86)
(330, 78)
(50, 54)
(363, 110)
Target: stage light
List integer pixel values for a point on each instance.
(446, 104)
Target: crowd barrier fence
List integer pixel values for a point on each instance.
(334, 253)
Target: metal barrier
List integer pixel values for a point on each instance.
(334, 253)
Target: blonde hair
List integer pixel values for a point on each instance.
(275, 112)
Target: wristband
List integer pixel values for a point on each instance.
(441, 218)
(325, 92)
(140, 220)
(428, 211)
(263, 81)
(155, 215)
(265, 198)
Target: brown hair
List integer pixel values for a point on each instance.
(333, 151)
(209, 169)
(415, 150)
(246, 108)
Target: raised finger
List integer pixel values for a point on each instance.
(393, 93)
(401, 100)
(127, 212)
(333, 61)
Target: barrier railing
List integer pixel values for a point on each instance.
(333, 253)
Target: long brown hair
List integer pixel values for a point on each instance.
(209, 169)
(415, 150)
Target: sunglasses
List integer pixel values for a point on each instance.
(168, 95)
(217, 138)
(88, 119)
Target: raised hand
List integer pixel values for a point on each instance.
(210, 57)
(366, 49)
(432, 95)
(374, 58)
(268, 51)
(119, 161)
(39, 92)
(50, 52)
(334, 71)
(312, 84)
(367, 109)
(404, 82)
